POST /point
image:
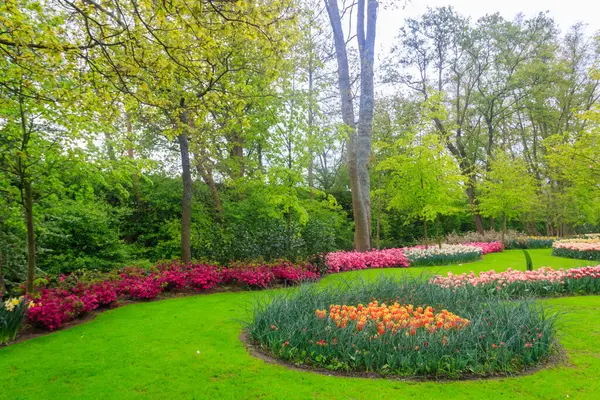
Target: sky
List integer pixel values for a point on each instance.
(565, 12)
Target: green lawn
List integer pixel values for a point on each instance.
(150, 350)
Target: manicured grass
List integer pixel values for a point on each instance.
(149, 350)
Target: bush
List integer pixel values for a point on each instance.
(351, 260)
(464, 332)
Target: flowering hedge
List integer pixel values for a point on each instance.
(541, 282)
(583, 249)
(487, 247)
(352, 260)
(72, 297)
(448, 254)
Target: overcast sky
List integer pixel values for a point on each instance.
(564, 12)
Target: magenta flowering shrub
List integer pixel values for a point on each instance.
(487, 248)
(351, 260)
(56, 306)
(254, 276)
(203, 277)
(291, 273)
(69, 296)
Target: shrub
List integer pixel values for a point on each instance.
(351, 260)
(487, 248)
(444, 334)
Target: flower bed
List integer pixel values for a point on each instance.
(583, 249)
(531, 242)
(487, 248)
(351, 260)
(541, 282)
(71, 297)
(408, 327)
(448, 254)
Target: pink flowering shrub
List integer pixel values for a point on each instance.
(291, 273)
(487, 248)
(253, 276)
(203, 277)
(351, 260)
(54, 307)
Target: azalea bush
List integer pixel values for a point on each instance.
(68, 297)
(12, 312)
(403, 326)
(542, 282)
(447, 254)
(583, 249)
(487, 247)
(351, 260)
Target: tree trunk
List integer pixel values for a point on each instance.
(186, 200)
(131, 154)
(425, 231)
(2, 287)
(378, 221)
(311, 122)
(476, 216)
(504, 228)
(437, 232)
(207, 177)
(188, 190)
(30, 235)
(359, 137)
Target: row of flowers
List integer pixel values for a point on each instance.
(541, 282)
(71, 297)
(447, 254)
(584, 249)
(68, 297)
(403, 257)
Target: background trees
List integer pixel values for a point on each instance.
(134, 131)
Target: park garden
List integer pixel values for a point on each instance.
(296, 199)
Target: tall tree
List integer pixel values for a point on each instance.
(359, 132)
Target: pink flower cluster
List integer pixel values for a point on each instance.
(351, 260)
(486, 248)
(70, 299)
(578, 245)
(56, 306)
(503, 279)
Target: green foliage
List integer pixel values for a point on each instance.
(528, 261)
(509, 190)
(425, 181)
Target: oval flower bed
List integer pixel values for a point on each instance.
(403, 327)
(583, 249)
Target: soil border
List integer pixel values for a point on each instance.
(558, 358)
